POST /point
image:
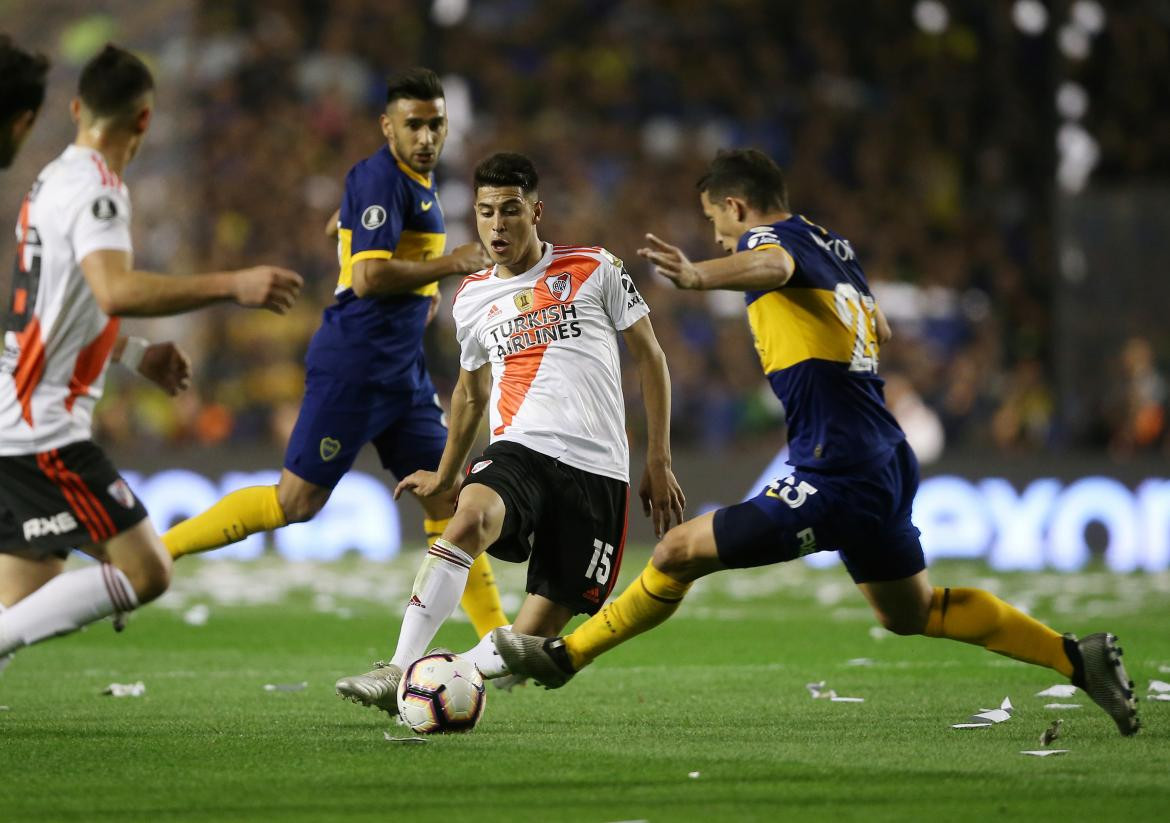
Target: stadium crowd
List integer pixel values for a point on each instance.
(893, 134)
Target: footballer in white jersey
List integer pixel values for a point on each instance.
(538, 335)
(73, 278)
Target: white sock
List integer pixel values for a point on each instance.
(438, 586)
(486, 658)
(65, 604)
(5, 659)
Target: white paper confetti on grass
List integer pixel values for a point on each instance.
(197, 615)
(1062, 705)
(1059, 690)
(125, 689)
(860, 661)
(392, 739)
(1159, 687)
(1160, 697)
(819, 691)
(1164, 669)
(286, 687)
(692, 775)
(1045, 752)
(987, 717)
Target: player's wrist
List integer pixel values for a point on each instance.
(134, 348)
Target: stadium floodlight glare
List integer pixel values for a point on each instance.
(1072, 101)
(449, 12)
(1030, 16)
(1089, 16)
(1073, 41)
(931, 16)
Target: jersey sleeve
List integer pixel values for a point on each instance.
(623, 303)
(103, 222)
(472, 354)
(761, 237)
(373, 210)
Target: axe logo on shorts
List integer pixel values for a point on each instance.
(329, 448)
(560, 285)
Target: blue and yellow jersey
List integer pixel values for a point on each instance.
(388, 211)
(817, 341)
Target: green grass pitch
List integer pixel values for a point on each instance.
(707, 718)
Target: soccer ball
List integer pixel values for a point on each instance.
(441, 693)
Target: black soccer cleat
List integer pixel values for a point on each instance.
(1097, 669)
(544, 659)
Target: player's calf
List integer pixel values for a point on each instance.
(140, 555)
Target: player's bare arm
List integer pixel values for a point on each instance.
(331, 225)
(382, 278)
(123, 292)
(757, 270)
(662, 497)
(164, 364)
(468, 402)
(884, 332)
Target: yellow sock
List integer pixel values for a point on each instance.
(645, 603)
(237, 515)
(979, 617)
(481, 598)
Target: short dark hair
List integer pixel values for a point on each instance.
(112, 81)
(22, 80)
(414, 84)
(506, 168)
(748, 173)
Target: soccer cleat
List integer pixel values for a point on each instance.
(544, 659)
(1097, 669)
(377, 687)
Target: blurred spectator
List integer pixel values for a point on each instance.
(1135, 409)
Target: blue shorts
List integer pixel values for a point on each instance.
(863, 513)
(339, 417)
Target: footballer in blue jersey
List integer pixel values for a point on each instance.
(818, 332)
(366, 379)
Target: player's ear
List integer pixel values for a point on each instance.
(387, 126)
(75, 110)
(142, 119)
(537, 211)
(738, 208)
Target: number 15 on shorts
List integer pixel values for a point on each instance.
(600, 565)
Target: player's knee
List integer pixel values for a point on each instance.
(469, 528)
(678, 554)
(905, 623)
(150, 575)
(299, 507)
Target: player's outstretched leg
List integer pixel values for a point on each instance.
(138, 570)
(911, 606)
(245, 512)
(685, 554)
(481, 596)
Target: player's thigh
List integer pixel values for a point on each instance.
(579, 539)
(792, 517)
(541, 617)
(414, 440)
(337, 418)
(515, 474)
(22, 572)
(903, 605)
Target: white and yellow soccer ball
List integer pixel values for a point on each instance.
(441, 692)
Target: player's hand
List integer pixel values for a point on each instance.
(423, 484)
(165, 365)
(662, 497)
(670, 262)
(433, 309)
(470, 257)
(267, 287)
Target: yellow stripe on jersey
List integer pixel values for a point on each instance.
(412, 245)
(794, 324)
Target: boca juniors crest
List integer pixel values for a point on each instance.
(560, 285)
